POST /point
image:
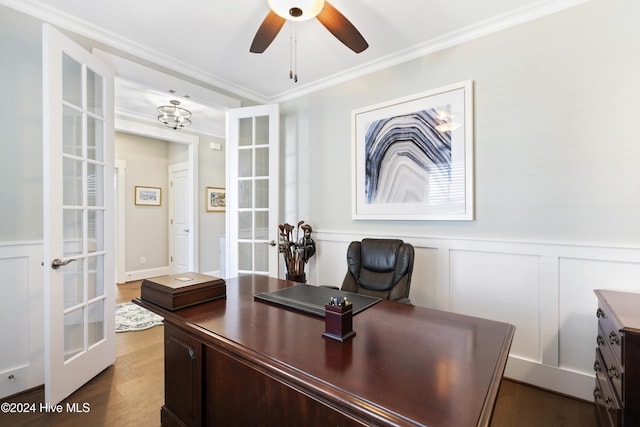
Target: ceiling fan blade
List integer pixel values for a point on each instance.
(268, 31)
(339, 26)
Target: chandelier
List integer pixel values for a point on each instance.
(174, 116)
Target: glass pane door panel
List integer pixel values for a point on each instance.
(95, 139)
(245, 163)
(262, 193)
(95, 174)
(262, 225)
(245, 194)
(71, 132)
(262, 130)
(72, 182)
(73, 333)
(95, 325)
(244, 225)
(73, 283)
(245, 132)
(262, 257)
(72, 232)
(94, 93)
(262, 161)
(95, 285)
(245, 256)
(95, 238)
(71, 81)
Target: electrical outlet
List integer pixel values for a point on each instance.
(143, 260)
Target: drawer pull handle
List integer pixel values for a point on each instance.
(600, 313)
(613, 372)
(614, 338)
(600, 340)
(596, 366)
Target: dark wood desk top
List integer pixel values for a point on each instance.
(407, 365)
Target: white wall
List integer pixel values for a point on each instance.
(21, 124)
(557, 183)
(556, 128)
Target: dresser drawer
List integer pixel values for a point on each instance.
(609, 366)
(609, 332)
(606, 404)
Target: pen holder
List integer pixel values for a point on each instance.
(338, 322)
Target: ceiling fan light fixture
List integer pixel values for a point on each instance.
(300, 10)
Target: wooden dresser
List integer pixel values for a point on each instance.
(617, 363)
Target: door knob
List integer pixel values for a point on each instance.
(271, 243)
(57, 263)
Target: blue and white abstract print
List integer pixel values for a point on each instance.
(407, 159)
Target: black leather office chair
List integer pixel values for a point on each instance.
(381, 268)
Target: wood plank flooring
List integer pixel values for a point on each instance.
(131, 392)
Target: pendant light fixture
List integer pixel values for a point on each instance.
(173, 116)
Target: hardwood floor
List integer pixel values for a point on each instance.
(131, 392)
(128, 393)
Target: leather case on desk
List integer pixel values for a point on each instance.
(182, 290)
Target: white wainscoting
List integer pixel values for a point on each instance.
(544, 289)
(21, 317)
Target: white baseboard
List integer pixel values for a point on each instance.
(559, 380)
(145, 274)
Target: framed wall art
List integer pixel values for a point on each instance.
(216, 199)
(148, 196)
(413, 157)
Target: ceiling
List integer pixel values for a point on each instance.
(209, 40)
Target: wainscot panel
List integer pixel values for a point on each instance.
(21, 290)
(545, 289)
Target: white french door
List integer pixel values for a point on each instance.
(78, 216)
(252, 190)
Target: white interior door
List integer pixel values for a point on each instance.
(252, 190)
(180, 227)
(78, 216)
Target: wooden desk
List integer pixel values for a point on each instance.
(240, 362)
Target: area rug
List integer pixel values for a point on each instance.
(132, 317)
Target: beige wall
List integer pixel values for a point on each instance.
(146, 227)
(211, 225)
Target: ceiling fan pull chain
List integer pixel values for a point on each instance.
(291, 49)
(295, 52)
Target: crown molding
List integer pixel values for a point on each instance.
(472, 32)
(64, 21)
(520, 16)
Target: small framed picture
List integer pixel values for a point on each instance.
(148, 196)
(216, 199)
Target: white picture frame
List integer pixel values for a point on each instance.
(413, 157)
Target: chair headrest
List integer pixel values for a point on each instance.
(379, 255)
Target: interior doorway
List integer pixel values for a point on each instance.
(189, 257)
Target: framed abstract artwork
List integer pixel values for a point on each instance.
(148, 196)
(413, 157)
(216, 199)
